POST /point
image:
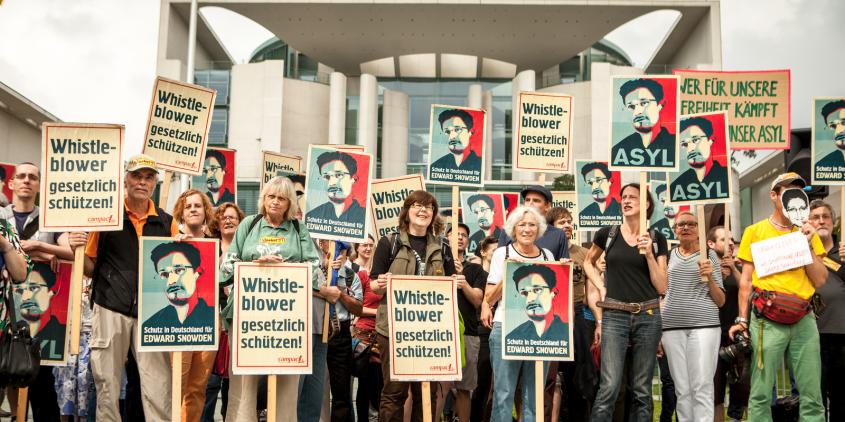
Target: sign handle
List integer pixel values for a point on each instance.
(271, 398)
(176, 386)
(643, 206)
(326, 313)
(164, 190)
(728, 228)
(23, 396)
(453, 238)
(426, 393)
(539, 384)
(702, 236)
(76, 298)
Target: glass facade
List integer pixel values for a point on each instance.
(218, 132)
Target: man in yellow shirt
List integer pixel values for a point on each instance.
(770, 339)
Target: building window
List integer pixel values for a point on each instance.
(218, 130)
(215, 79)
(248, 197)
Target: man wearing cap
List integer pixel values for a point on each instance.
(555, 240)
(111, 260)
(776, 329)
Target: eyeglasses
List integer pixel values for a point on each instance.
(340, 175)
(211, 169)
(31, 176)
(695, 140)
(457, 129)
(32, 288)
(229, 217)
(536, 290)
(480, 210)
(643, 103)
(417, 207)
(687, 225)
(596, 180)
(834, 123)
(178, 270)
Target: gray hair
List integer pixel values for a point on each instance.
(518, 214)
(281, 186)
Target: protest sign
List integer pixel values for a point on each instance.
(512, 200)
(644, 123)
(828, 141)
(41, 301)
(757, 103)
(387, 198)
(177, 125)
(781, 253)
(446, 214)
(538, 320)
(274, 164)
(704, 176)
(337, 192)
(271, 325)
(598, 195)
(485, 216)
(219, 176)
(423, 323)
(544, 130)
(456, 146)
(568, 200)
(663, 218)
(7, 172)
(81, 177)
(345, 147)
(177, 294)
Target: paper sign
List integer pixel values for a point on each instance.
(544, 131)
(644, 123)
(704, 176)
(828, 141)
(219, 176)
(568, 200)
(456, 146)
(781, 253)
(387, 198)
(337, 192)
(423, 323)
(484, 215)
(274, 164)
(177, 295)
(81, 177)
(598, 195)
(663, 218)
(177, 125)
(537, 301)
(42, 302)
(757, 103)
(271, 326)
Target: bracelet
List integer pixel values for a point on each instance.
(741, 320)
(598, 321)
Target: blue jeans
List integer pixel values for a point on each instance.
(212, 390)
(310, 402)
(505, 375)
(619, 329)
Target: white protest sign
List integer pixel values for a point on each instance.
(781, 253)
(386, 199)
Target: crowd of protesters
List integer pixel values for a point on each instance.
(637, 304)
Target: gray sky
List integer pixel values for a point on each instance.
(94, 60)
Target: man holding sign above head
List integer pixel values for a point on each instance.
(779, 289)
(651, 106)
(111, 260)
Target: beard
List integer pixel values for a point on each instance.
(839, 141)
(212, 184)
(696, 160)
(177, 295)
(456, 147)
(336, 194)
(30, 311)
(643, 124)
(599, 195)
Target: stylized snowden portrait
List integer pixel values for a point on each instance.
(339, 172)
(796, 205)
(178, 266)
(214, 169)
(834, 120)
(457, 126)
(536, 287)
(597, 177)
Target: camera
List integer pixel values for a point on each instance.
(739, 349)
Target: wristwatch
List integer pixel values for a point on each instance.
(741, 320)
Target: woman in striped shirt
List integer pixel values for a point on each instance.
(691, 321)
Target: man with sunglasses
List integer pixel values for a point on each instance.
(651, 144)
(177, 265)
(339, 171)
(705, 178)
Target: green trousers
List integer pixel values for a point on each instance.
(800, 343)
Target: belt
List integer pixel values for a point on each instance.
(633, 308)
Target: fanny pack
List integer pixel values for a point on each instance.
(780, 307)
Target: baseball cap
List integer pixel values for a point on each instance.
(141, 161)
(542, 190)
(788, 178)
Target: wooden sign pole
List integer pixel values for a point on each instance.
(456, 206)
(702, 236)
(76, 298)
(539, 384)
(175, 357)
(426, 391)
(271, 398)
(22, 403)
(728, 234)
(326, 313)
(643, 206)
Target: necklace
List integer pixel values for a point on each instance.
(774, 223)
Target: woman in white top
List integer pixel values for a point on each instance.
(525, 225)
(691, 330)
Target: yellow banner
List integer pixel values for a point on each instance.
(271, 326)
(544, 132)
(81, 177)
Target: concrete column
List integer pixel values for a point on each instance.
(524, 81)
(368, 114)
(487, 105)
(474, 97)
(394, 134)
(337, 108)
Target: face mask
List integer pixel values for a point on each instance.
(796, 205)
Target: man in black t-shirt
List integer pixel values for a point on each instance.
(471, 292)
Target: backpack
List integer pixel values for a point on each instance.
(613, 233)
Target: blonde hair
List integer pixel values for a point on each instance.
(281, 186)
(516, 216)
